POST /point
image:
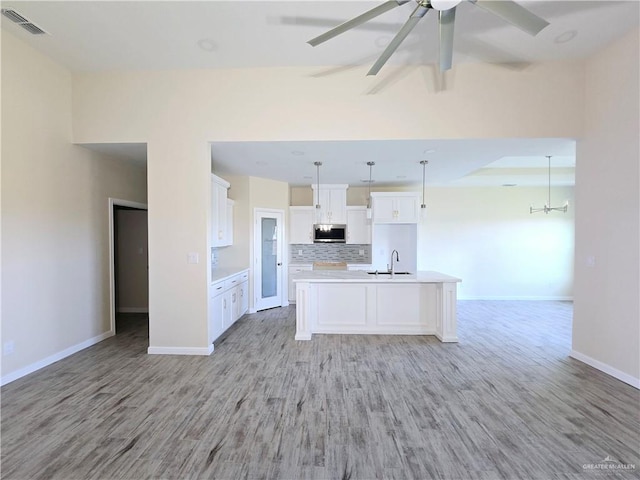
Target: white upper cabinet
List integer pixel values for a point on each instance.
(219, 212)
(229, 229)
(333, 203)
(395, 207)
(358, 227)
(301, 224)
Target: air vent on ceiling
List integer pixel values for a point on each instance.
(23, 22)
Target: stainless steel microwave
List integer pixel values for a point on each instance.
(329, 233)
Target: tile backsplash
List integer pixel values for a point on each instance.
(330, 252)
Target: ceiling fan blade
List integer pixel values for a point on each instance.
(446, 21)
(513, 13)
(415, 17)
(354, 22)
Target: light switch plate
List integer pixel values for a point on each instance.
(193, 257)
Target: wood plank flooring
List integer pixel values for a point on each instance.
(505, 403)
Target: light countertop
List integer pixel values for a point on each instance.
(218, 274)
(346, 276)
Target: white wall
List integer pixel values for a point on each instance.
(55, 260)
(606, 324)
(487, 237)
(386, 238)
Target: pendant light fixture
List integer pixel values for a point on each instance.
(318, 207)
(547, 207)
(369, 212)
(423, 206)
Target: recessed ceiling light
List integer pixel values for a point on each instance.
(207, 45)
(297, 152)
(430, 150)
(566, 36)
(368, 181)
(509, 184)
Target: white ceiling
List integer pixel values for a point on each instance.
(103, 35)
(451, 162)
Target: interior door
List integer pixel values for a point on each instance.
(268, 251)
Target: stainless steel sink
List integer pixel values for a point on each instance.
(389, 273)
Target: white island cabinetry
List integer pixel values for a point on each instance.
(351, 302)
(293, 271)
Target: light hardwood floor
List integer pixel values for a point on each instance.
(505, 402)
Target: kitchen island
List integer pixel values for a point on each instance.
(357, 302)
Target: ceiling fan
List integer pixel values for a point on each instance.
(506, 9)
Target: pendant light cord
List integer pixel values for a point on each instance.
(549, 194)
(424, 168)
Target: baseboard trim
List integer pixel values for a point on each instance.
(133, 310)
(531, 298)
(10, 377)
(180, 350)
(608, 369)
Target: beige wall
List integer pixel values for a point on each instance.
(483, 101)
(251, 193)
(606, 322)
(55, 257)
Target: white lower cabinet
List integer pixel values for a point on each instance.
(229, 301)
(216, 312)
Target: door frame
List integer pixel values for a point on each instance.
(257, 256)
(116, 202)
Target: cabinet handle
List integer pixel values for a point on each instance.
(218, 288)
(233, 298)
(224, 303)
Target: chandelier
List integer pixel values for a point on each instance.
(547, 206)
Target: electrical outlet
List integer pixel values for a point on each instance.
(361, 252)
(8, 347)
(591, 261)
(299, 252)
(193, 257)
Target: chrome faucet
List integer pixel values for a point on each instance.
(393, 270)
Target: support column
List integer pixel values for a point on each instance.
(179, 172)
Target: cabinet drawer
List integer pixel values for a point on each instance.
(217, 288)
(232, 281)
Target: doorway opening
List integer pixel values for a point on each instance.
(129, 267)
